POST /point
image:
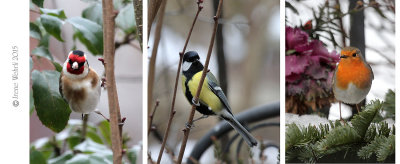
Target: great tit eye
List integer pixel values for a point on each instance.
(354, 55)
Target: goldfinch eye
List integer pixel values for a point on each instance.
(81, 64)
(70, 61)
(354, 55)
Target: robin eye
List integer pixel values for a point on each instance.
(354, 55)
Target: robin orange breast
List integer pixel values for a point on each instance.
(352, 79)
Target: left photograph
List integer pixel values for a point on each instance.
(85, 82)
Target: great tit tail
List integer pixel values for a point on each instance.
(250, 140)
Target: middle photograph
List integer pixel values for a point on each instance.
(213, 81)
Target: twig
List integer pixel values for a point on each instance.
(109, 52)
(172, 111)
(152, 63)
(186, 131)
(152, 116)
(137, 5)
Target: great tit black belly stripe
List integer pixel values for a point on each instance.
(203, 109)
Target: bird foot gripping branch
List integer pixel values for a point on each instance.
(195, 103)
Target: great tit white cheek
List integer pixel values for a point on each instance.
(75, 65)
(186, 65)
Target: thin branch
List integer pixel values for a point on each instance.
(84, 126)
(151, 116)
(172, 111)
(109, 53)
(152, 64)
(137, 5)
(154, 6)
(186, 131)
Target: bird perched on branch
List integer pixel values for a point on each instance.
(352, 79)
(212, 100)
(79, 84)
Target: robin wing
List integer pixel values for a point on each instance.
(334, 75)
(216, 89)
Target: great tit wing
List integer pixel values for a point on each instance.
(216, 89)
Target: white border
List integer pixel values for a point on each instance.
(144, 83)
(14, 122)
(397, 60)
(282, 81)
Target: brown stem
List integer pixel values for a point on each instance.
(84, 126)
(137, 5)
(152, 64)
(172, 111)
(152, 116)
(341, 25)
(154, 5)
(186, 131)
(113, 105)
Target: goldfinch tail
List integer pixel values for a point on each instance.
(250, 140)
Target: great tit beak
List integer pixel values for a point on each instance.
(75, 65)
(343, 56)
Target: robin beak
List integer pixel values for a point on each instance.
(343, 56)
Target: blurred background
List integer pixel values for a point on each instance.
(128, 72)
(249, 43)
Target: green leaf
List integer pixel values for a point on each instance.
(362, 120)
(57, 66)
(94, 13)
(31, 103)
(51, 108)
(38, 3)
(62, 159)
(89, 33)
(386, 149)
(89, 146)
(52, 25)
(44, 41)
(87, 159)
(34, 31)
(59, 13)
(36, 157)
(73, 141)
(126, 19)
(342, 135)
(42, 52)
(94, 136)
(132, 155)
(104, 127)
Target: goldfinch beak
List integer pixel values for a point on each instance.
(75, 65)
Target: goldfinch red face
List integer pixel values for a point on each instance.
(76, 62)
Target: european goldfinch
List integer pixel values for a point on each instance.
(79, 84)
(212, 100)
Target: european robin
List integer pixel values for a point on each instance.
(352, 78)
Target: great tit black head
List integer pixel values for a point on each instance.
(191, 57)
(191, 63)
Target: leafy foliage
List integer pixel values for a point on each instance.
(50, 107)
(90, 150)
(361, 137)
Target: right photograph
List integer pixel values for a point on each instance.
(340, 81)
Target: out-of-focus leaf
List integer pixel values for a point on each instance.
(36, 157)
(94, 13)
(51, 108)
(126, 19)
(89, 146)
(132, 154)
(42, 52)
(38, 3)
(89, 33)
(87, 159)
(58, 66)
(34, 31)
(52, 25)
(31, 103)
(62, 159)
(104, 127)
(59, 13)
(94, 136)
(45, 40)
(73, 141)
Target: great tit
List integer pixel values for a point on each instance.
(212, 100)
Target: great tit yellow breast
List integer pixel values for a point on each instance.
(207, 97)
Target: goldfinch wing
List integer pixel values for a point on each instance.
(60, 87)
(216, 89)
